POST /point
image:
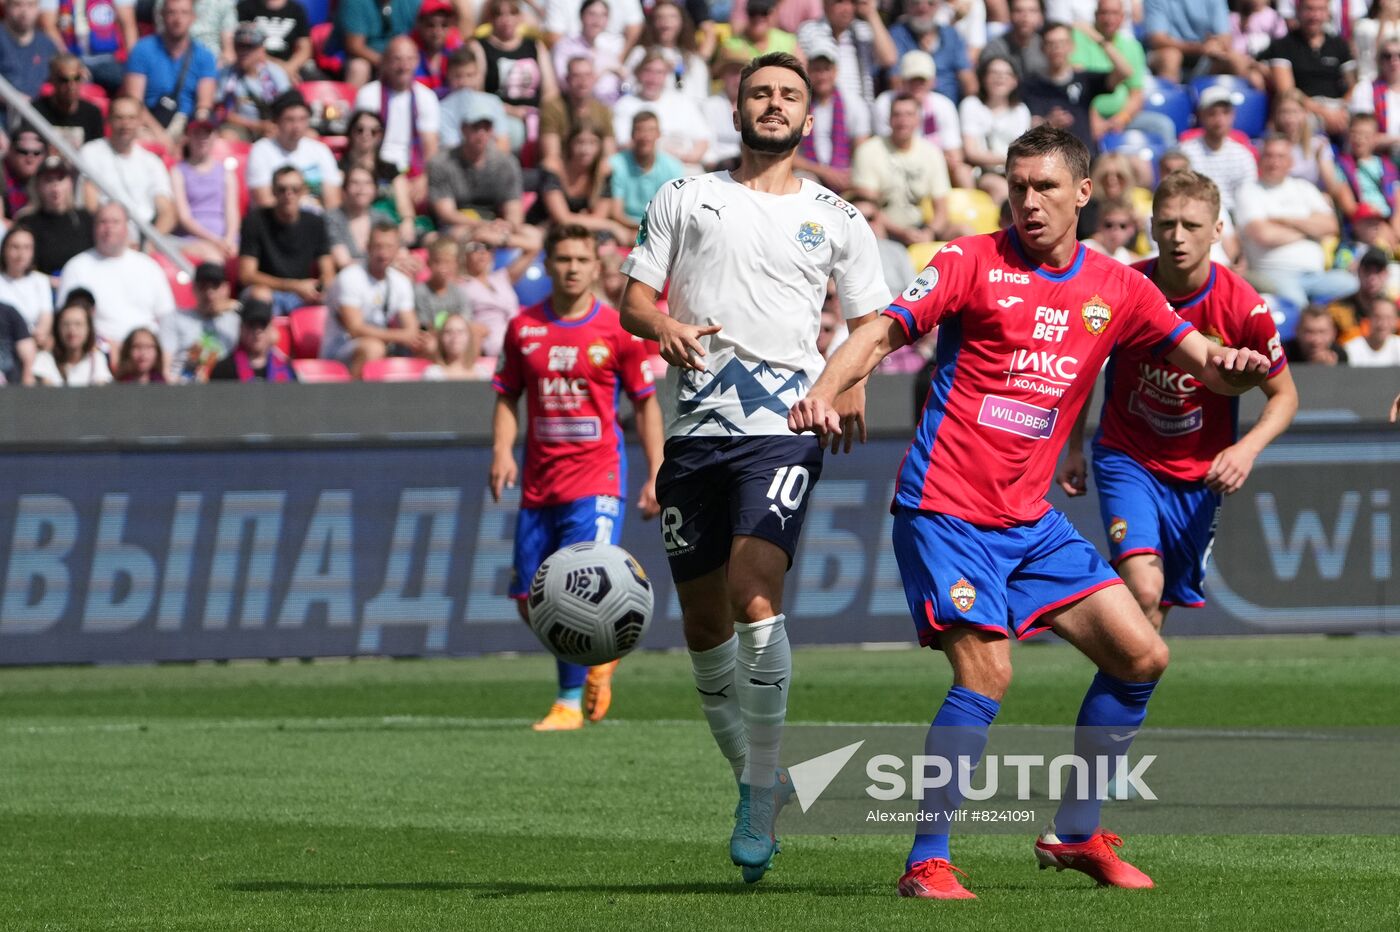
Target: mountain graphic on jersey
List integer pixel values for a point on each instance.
(759, 387)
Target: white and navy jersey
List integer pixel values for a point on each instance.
(757, 265)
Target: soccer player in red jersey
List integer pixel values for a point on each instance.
(570, 358)
(1167, 450)
(1026, 319)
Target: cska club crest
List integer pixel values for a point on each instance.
(1117, 530)
(1096, 315)
(598, 354)
(963, 594)
(811, 235)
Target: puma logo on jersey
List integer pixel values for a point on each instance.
(782, 518)
(1010, 302)
(713, 210)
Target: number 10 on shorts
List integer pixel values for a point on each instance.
(789, 485)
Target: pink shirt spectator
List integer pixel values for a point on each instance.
(1253, 35)
(788, 16)
(494, 304)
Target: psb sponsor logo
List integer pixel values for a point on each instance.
(1163, 424)
(598, 353)
(527, 332)
(998, 276)
(963, 594)
(565, 429)
(811, 235)
(1096, 315)
(826, 197)
(1117, 530)
(1017, 417)
(562, 358)
(922, 286)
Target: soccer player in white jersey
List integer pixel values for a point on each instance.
(748, 254)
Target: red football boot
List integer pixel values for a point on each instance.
(934, 879)
(1095, 857)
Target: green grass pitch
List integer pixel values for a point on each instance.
(412, 795)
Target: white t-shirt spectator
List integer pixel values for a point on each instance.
(1229, 166)
(90, 371)
(1363, 100)
(855, 76)
(561, 16)
(901, 179)
(311, 157)
(996, 130)
(823, 123)
(947, 133)
(1292, 199)
(31, 295)
(380, 302)
(131, 291)
(139, 176)
(682, 123)
(397, 147)
(1359, 352)
(719, 114)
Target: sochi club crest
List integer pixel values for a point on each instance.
(963, 594)
(811, 235)
(1096, 315)
(1117, 530)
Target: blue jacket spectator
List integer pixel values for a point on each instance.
(25, 52)
(917, 29)
(169, 72)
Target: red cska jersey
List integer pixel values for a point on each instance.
(571, 373)
(1161, 416)
(1019, 348)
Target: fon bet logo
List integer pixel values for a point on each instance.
(1096, 315)
(562, 358)
(963, 594)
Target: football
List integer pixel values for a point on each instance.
(590, 603)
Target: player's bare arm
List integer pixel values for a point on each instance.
(1073, 474)
(1233, 464)
(1224, 370)
(650, 431)
(1395, 409)
(855, 360)
(505, 426)
(850, 404)
(680, 343)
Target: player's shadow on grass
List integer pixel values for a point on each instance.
(510, 888)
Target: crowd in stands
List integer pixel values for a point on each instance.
(359, 189)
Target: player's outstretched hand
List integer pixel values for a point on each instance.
(646, 501)
(1242, 368)
(850, 408)
(1073, 474)
(816, 415)
(680, 343)
(503, 474)
(1229, 470)
(1395, 409)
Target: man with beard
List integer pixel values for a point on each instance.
(747, 254)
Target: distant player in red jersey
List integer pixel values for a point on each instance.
(1166, 450)
(571, 359)
(1026, 319)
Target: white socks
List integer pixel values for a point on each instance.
(714, 681)
(764, 677)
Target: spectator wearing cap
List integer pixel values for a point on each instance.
(1364, 176)
(1122, 108)
(1021, 45)
(372, 309)
(122, 166)
(61, 228)
(1062, 95)
(171, 74)
(25, 52)
(1373, 284)
(899, 171)
(291, 146)
(130, 289)
(1314, 61)
(1381, 96)
(464, 83)
(475, 188)
(205, 191)
(838, 128)
(100, 33)
(592, 40)
(286, 29)
(437, 37)
(284, 252)
(863, 44)
(685, 135)
(920, 28)
(1186, 39)
(409, 112)
(363, 29)
(719, 110)
(22, 161)
(28, 291)
(196, 338)
(620, 18)
(248, 86)
(758, 34)
(638, 172)
(64, 107)
(941, 125)
(1379, 345)
(1371, 235)
(256, 358)
(1226, 161)
(574, 106)
(1281, 221)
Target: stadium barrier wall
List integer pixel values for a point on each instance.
(158, 545)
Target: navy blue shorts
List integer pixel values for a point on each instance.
(541, 531)
(1174, 520)
(1000, 580)
(713, 489)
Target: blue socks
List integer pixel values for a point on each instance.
(572, 676)
(959, 731)
(1108, 721)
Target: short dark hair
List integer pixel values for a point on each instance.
(286, 101)
(384, 226)
(284, 171)
(641, 116)
(461, 56)
(1047, 140)
(564, 231)
(1052, 27)
(775, 60)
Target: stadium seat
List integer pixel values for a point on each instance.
(283, 326)
(534, 286)
(1168, 99)
(320, 370)
(308, 326)
(1134, 144)
(1251, 106)
(181, 285)
(150, 145)
(332, 63)
(921, 254)
(395, 369)
(234, 154)
(331, 104)
(973, 208)
(318, 11)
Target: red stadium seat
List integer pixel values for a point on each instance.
(181, 285)
(150, 145)
(395, 369)
(308, 326)
(234, 154)
(320, 370)
(283, 326)
(331, 104)
(328, 61)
